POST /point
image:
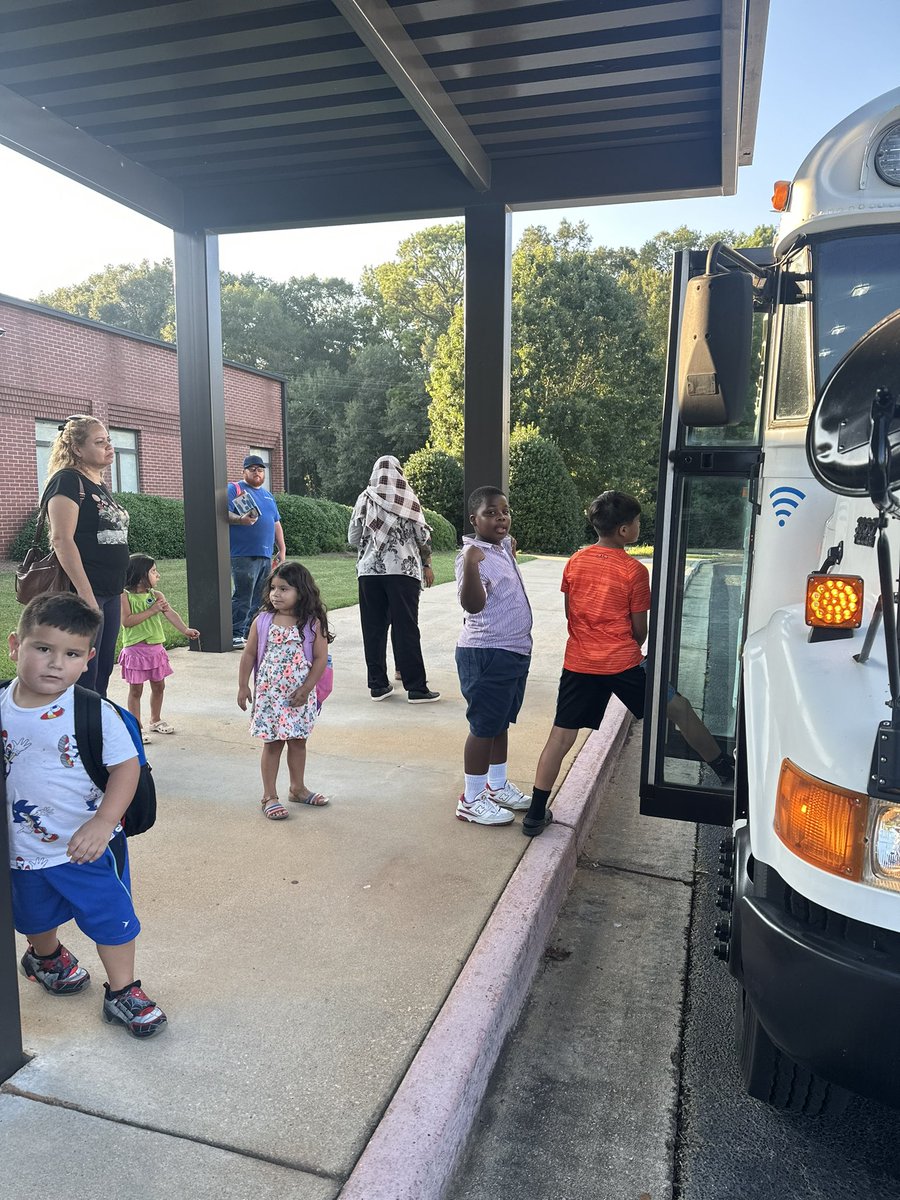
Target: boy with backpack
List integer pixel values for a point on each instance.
(61, 824)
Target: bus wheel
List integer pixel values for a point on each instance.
(777, 1080)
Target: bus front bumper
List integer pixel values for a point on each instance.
(829, 1003)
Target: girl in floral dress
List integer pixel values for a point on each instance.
(284, 707)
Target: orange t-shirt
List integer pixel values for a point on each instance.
(605, 586)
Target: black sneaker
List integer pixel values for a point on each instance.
(61, 975)
(723, 768)
(381, 693)
(140, 1015)
(425, 697)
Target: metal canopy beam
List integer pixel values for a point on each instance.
(616, 173)
(11, 1055)
(375, 24)
(201, 390)
(47, 139)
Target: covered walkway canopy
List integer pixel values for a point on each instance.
(216, 116)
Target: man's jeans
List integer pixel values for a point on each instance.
(249, 576)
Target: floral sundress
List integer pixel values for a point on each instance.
(282, 671)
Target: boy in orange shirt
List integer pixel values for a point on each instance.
(607, 602)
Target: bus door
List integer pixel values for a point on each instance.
(700, 576)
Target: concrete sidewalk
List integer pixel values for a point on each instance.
(301, 963)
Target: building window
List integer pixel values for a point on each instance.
(266, 456)
(44, 436)
(124, 468)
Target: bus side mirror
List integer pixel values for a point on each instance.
(714, 350)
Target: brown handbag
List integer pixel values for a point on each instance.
(39, 575)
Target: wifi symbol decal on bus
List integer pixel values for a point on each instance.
(784, 501)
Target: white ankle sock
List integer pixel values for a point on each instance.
(497, 775)
(474, 785)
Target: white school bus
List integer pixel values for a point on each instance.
(775, 598)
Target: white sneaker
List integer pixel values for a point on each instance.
(509, 797)
(238, 643)
(482, 811)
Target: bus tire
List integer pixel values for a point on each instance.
(776, 1080)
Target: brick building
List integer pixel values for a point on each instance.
(53, 364)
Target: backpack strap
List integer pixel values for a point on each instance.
(309, 640)
(89, 736)
(263, 624)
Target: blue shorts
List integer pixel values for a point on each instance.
(493, 683)
(96, 896)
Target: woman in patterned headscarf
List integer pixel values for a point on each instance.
(393, 563)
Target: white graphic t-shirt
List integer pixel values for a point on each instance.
(48, 792)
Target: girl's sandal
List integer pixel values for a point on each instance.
(146, 739)
(316, 799)
(161, 727)
(273, 809)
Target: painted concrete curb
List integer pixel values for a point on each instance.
(414, 1150)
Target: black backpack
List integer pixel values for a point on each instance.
(141, 813)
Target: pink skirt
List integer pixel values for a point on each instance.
(143, 663)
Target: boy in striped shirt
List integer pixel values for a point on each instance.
(607, 602)
(493, 654)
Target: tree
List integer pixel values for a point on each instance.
(446, 387)
(135, 296)
(584, 371)
(414, 297)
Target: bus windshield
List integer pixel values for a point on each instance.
(856, 283)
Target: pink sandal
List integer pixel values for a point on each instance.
(316, 799)
(273, 809)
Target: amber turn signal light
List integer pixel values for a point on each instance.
(820, 823)
(781, 195)
(834, 601)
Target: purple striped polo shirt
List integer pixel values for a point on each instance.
(505, 621)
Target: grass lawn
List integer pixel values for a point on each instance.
(334, 573)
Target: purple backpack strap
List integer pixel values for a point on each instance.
(263, 624)
(309, 639)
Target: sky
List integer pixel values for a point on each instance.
(823, 59)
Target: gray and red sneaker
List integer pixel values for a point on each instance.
(60, 975)
(140, 1015)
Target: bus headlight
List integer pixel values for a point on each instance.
(887, 156)
(886, 844)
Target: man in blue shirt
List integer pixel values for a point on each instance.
(255, 533)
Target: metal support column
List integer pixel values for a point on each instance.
(198, 323)
(11, 1055)
(487, 343)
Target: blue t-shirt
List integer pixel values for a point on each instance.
(257, 540)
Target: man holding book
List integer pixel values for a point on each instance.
(256, 535)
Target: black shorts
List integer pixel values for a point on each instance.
(582, 698)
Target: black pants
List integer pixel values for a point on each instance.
(96, 674)
(391, 600)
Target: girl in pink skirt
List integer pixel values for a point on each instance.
(143, 658)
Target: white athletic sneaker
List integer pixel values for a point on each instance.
(482, 811)
(509, 797)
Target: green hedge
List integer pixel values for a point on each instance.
(156, 526)
(547, 516)
(443, 535)
(438, 482)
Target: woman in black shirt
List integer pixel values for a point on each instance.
(89, 532)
